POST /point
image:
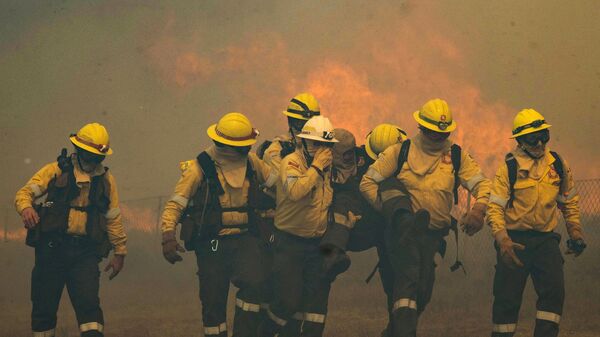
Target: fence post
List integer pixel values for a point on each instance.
(157, 229)
(6, 225)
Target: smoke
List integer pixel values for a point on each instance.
(376, 80)
(157, 75)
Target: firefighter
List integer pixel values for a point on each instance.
(417, 206)
(217, 200)
(300, 109)
(304, 194)
(349, 207)
(76, 226)
(529, 190)
(382, 136)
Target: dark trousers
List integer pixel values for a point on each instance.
(544, 263)
(232, 259)
(72, 261)
(301, 293)
(411, 254)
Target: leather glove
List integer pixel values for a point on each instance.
(30, 217)
(507, 251)
(575, 247)
(473, 221)
(170, 247)
(352, 219)
(116, 264)
(323, 158)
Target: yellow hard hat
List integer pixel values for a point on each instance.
(320, 129)
(93, 138)
(436, 115)
(528, 121)
(233, 129)
(381, 137)
(303, 106)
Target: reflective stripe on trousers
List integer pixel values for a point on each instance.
(548, 316)
(215, 330)
(504, 328)
(47, 333)
(246, 306)
(405, 303)
(91, 326)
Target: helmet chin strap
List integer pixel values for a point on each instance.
(293, 136)
(307, 156)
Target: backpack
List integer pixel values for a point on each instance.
(512, 166)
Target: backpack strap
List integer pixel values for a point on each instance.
(263, 148)
(511, 165)
(558, 165)
(210, 173)
(456, 157)
(403, 156)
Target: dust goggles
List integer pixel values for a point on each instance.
(305, 112)
(443, 125)
(103, 148)
(534, 124)
(533, 138)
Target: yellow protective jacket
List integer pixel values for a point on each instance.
(191, 178)
(37, 187)
(272, 156)
(432, 190)
(539, 194)
(303, 197)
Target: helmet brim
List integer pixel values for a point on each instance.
(530, 130)
(88, 148)
(433, 127)
(368, 148)
(296, 116)
(212, 133)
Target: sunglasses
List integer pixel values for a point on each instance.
(534, 138)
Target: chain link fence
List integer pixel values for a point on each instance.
(143, 215)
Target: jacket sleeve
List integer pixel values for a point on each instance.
(383, 168)
(267, 177)
(472, 179)
(497, 202)
(186, 187)
(114, 220)
(36, 186)
(296, 183)
(568, 203)
(272, 156)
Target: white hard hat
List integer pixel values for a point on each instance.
(319, 129)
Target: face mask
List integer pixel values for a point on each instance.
(232, 151)
(88, 161)
(434, 136)
(295, 125)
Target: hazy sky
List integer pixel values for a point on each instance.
(157, 74)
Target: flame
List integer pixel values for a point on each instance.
(389, 71)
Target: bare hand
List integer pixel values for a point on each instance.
(116, 264)
(30, 217)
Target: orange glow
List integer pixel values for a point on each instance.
(382, 76)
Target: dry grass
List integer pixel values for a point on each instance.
(152, 298)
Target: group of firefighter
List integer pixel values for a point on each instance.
(278, 223)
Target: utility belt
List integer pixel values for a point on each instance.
(299, 239)
(532, 238)
(55, 239)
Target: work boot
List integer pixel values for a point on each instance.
(335, 262)
(332, 247)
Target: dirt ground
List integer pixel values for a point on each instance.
(152, 298)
